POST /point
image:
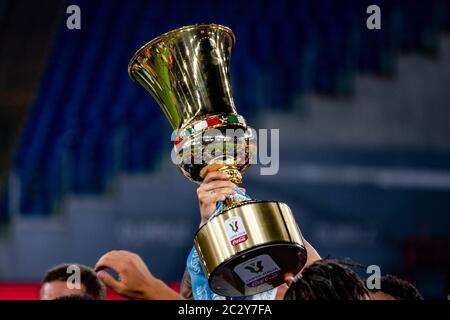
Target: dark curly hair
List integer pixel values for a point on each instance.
(327, 279)
(94, 286)
(398, 288)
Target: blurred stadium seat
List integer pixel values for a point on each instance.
(87, 109)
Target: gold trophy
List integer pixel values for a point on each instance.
(250, 246)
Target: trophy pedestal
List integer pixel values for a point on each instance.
(250, 248)
(283, 258)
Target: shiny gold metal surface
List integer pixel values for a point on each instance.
(270, 229)
(232, 173)
(187, 72)
(250, 246)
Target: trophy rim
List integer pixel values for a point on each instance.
(183, 29)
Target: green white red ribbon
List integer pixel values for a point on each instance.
(208, 123)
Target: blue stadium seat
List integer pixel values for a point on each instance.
(89, 121)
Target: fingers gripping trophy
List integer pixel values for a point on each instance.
(249, 246)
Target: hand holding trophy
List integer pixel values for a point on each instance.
(249, 246)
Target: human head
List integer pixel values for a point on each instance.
(327, 279)
(393, 288)
(54, 284)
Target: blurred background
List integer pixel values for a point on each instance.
(364, 119)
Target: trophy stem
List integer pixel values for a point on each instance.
(236, 177)
(231, 202)
(232, 173)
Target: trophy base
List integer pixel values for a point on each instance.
(280, 259)
(250, 248)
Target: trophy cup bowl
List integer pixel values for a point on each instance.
(250, 246)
